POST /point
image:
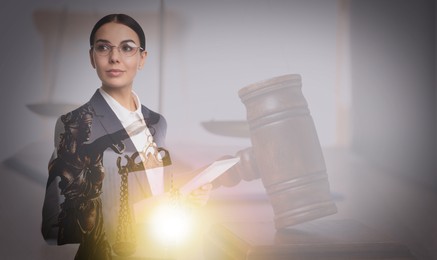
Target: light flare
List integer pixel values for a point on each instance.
(172, 223)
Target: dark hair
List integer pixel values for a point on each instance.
(121, 19)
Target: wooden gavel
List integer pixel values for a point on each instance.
(285, 153)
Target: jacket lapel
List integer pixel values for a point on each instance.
(107, 121)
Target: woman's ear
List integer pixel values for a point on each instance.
(143, 57)
(92, 58)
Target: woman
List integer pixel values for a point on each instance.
(103, 146)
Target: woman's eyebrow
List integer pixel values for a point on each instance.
(106, 41)
(102, 40)
(125, 41)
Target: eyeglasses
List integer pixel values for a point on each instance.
(127, 49)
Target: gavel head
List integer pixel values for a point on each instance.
(286, 150)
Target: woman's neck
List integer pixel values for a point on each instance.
(123, 96)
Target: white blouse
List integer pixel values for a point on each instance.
(141, 141)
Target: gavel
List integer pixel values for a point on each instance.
(285, 153)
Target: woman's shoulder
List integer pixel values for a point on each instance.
(151, 116)
(80, 112)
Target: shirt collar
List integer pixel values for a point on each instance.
(120, 111)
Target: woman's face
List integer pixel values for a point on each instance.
(116, 70)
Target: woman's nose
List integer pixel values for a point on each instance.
(114, 55)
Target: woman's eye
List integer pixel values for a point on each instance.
(102, 47)
(126, 48)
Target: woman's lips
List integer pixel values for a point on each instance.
(114, 72)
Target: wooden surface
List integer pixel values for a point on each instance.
(321, 239)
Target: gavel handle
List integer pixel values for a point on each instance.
(245, 169)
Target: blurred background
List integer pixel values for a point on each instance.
(368, 74)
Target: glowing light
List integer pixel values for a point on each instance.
(171, 223)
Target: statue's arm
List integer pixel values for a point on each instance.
(52, 198)
(50, 212)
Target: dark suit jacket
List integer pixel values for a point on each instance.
(104, 122)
